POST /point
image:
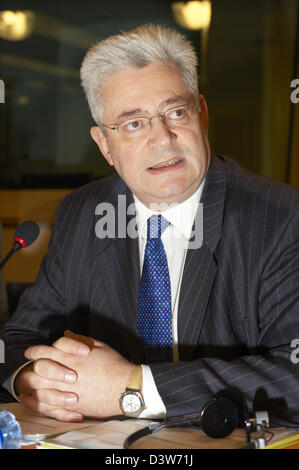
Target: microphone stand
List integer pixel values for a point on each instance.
(16, 246)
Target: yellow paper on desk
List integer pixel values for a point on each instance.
(287, 443)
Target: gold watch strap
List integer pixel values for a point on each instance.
(135, 378)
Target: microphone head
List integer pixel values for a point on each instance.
(26, 233)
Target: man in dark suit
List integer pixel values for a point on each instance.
(234, 286)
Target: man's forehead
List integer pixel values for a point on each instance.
(133, 90)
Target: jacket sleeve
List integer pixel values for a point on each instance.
(41, 315)
(268, 378)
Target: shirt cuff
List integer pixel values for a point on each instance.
(154, 406)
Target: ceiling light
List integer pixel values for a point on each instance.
(16, 25)
(192, 15)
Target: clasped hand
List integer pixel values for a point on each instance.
(77, 376)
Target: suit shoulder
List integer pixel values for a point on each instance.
(89, 195)
(256, 190)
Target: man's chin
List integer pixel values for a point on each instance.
(164, 200)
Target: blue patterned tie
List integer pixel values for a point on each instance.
(154, 302)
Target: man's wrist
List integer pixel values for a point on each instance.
(131, 400)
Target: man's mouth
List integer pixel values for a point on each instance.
(166, 164)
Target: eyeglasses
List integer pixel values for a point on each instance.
(176, 116)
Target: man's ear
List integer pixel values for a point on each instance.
(101, 141)
(204, 113)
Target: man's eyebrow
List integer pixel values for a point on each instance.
(174, 100)
(127, 114)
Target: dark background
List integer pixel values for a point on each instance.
(245, 71)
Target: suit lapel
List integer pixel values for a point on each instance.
(200, 266)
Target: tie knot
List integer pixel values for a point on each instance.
(156, 224)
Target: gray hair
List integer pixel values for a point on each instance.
(138, 48)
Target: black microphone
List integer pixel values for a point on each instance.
(24, 236)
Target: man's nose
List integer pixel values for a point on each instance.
(160, 134)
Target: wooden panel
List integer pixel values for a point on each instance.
(17, 206)
(29, 204)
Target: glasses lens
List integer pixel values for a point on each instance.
(178, 116)
(134, 127)
(139, 126)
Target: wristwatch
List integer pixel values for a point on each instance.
(131, 401)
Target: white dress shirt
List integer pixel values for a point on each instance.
(175, 240)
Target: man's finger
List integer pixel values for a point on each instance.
(73, 345)
(51, 370)
(44, 352)
(90, 342)
(56, 398)
(32, 381)
(56, 412)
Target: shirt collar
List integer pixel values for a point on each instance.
(180, 216)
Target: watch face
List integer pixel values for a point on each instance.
(131, 403)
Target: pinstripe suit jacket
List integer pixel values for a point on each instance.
(239, 299)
